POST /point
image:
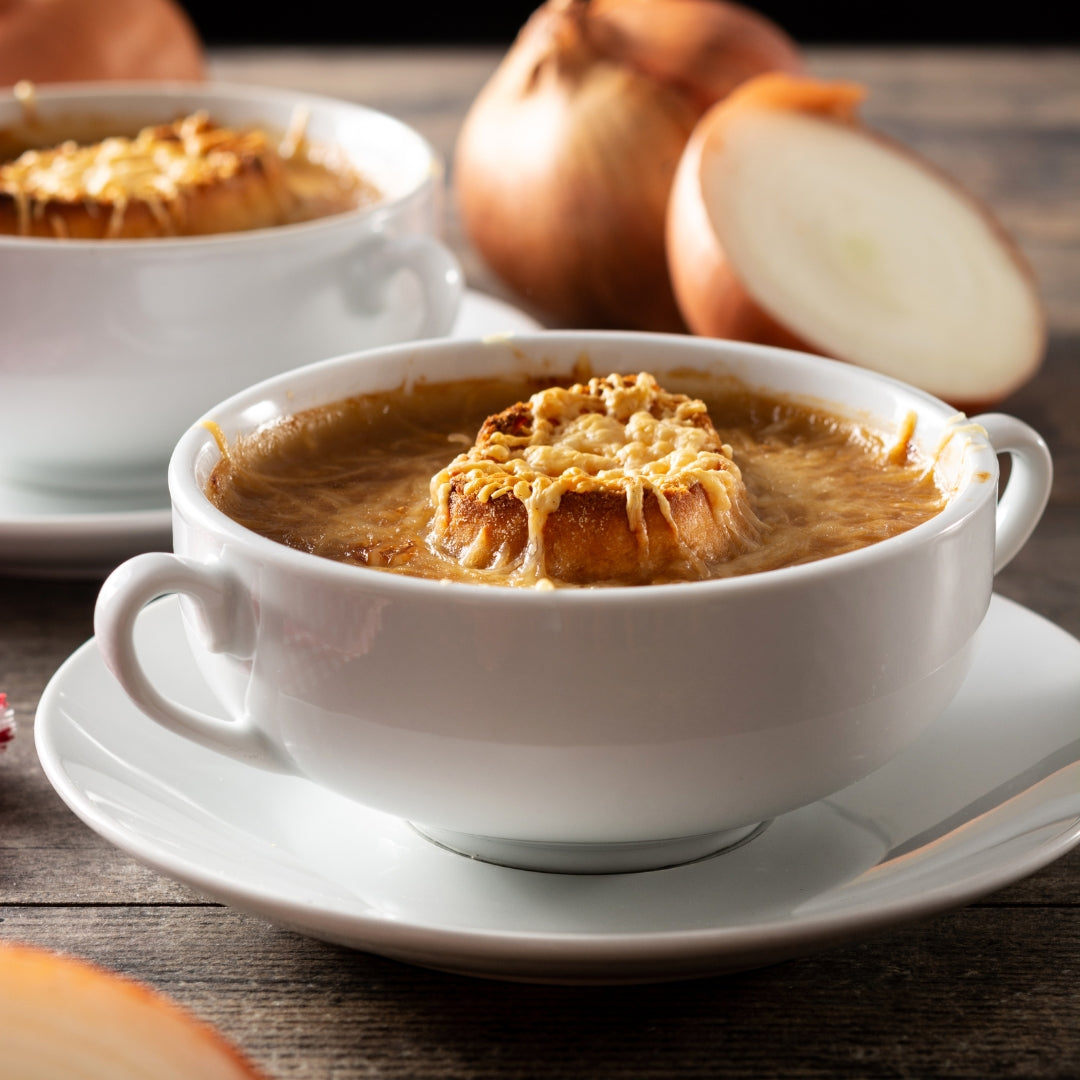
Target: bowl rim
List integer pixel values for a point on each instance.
(140, 90)
(190, 502)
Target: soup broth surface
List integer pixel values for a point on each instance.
(350, 481)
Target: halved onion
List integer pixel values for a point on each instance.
(791, 223)
(64, 1017)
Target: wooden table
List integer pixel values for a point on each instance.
(989, 990)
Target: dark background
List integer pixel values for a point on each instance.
(390, 22)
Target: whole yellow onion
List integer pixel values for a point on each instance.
(564, 163)
(44, 41)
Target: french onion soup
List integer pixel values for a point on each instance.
(606, 481)
(188, 177)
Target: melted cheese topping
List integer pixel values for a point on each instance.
(618, 433)
(158, 167)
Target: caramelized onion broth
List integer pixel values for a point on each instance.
(350, 481)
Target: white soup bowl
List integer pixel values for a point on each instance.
(593, 729)
(110, 348)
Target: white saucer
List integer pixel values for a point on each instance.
(482, 314)
(990, 794)
(71, 535)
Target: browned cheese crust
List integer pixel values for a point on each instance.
(614, 481)
(188, 178)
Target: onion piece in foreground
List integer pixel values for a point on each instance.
(65, 1017)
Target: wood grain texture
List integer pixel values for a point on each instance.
(989, 990)
(899, 1005)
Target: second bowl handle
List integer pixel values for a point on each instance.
(430, 262)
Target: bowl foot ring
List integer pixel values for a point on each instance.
(591, 858)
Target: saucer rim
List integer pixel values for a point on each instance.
(561, 956)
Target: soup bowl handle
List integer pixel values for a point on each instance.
(229, 624)
(1027, 491)
(435, 268)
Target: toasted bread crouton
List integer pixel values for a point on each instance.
(614, 481)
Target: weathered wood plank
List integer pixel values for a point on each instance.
(964, 996)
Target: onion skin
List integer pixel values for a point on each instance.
(702, 47)
(46, 41)
(710, 293)
(564, 164)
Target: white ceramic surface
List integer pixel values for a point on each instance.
(109, 348)
(58, 533)
(618, 716)
(68, 535)
(988, 794)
